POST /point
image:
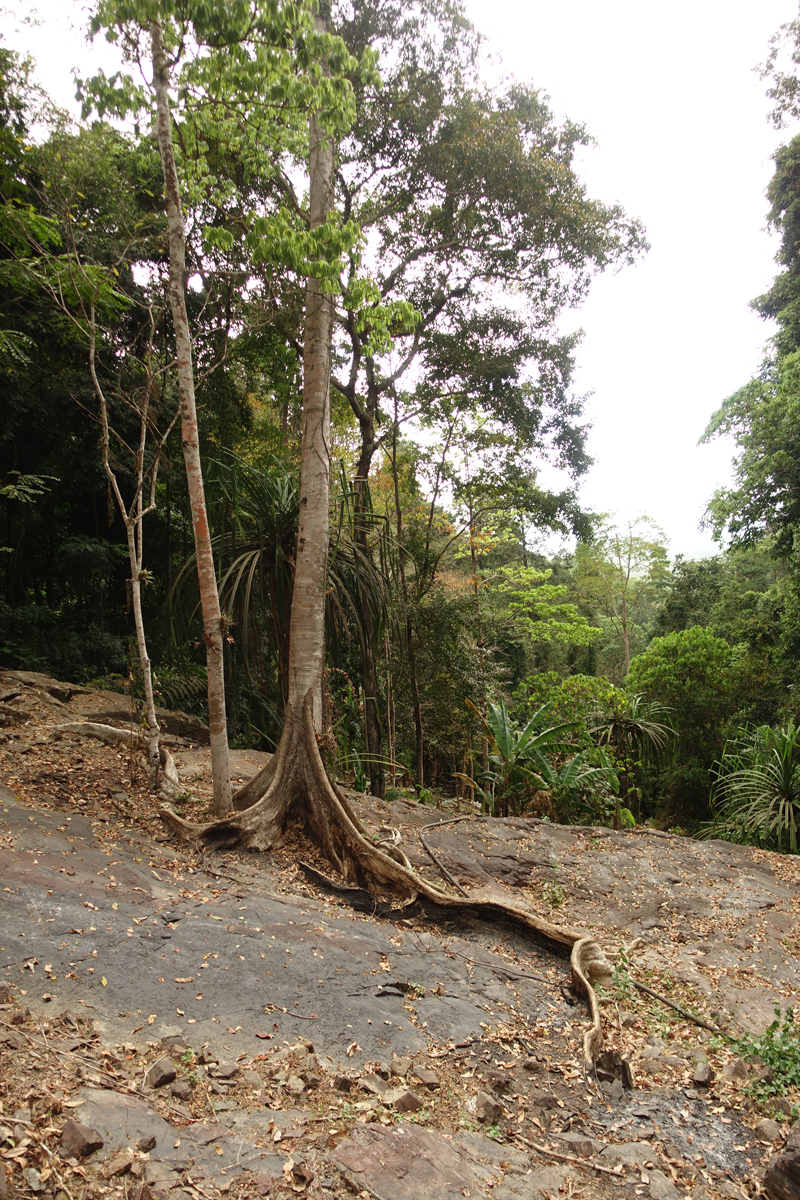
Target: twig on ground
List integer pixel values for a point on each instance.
(445, 873)
(690, 1016)
(618, 1172)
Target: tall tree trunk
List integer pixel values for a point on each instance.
(369, 665)
(213, 625)
(307, 628)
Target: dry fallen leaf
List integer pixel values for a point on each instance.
(351, 1049)
(151, 1018)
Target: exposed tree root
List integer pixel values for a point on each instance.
(298, 789)
(169, 781)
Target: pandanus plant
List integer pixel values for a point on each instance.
(756, 797)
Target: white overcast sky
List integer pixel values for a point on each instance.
(679, 115)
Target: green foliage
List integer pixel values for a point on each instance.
(538, 610)
(687, 672)
(520, 762)
(779, 1049)
(692, 674)
(756, 797)
(554, 894)
(621, 978)
(619, 576)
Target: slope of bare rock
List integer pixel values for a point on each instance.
(315, 1049)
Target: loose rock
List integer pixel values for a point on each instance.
(33, 1179)
(162, 1072)
(662, 1187)
(224, 1070)
(767, 1130)
(703, 1075)
(426, 1077)
(487, 1109)
(782, 1176)
(79, 1141)
(404, 1100)
(119, 1165)
(736, 1070)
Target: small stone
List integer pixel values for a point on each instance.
(224, 1070)
(404, 1100)
(737, 1070)
(400, 1066)
(703, 1075)
(311, 1079)
(500, 1082)
(767, 1130)
(163, 1071)
(653, 1047)
(119, 1165)
(142, 1192)
(487, 1109)
(427, 1078)
(627, 1019)
(206, 1056)
(783, 1105)
(33, 1179)
(731, 1190)
(342, 1083)
(383, 1070)
(582, 1146)
(171, 1040)
(613, 1090)
(79, 1141)
(218, 1089)
(532, 1066)
(765, 1074)
(662, 1187)
(181, 1090)
(373, 1084)
(295, 1085)
(262, 1182)
(146, 1144)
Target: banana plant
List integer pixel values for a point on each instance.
(520, 759)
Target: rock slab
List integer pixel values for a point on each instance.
(782, 1176)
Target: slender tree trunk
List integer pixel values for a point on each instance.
(369, 664)
(213, 626)
(153, 729)
(419, 736)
